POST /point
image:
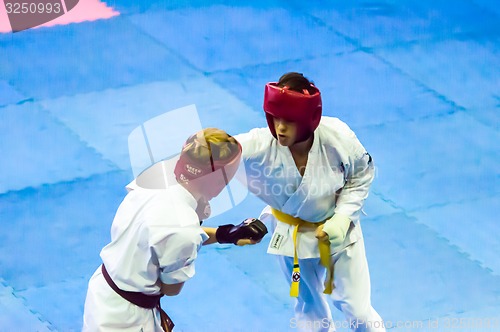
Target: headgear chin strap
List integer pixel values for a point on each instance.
(209, 177)
(302, 109)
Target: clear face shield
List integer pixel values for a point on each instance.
(154, 149)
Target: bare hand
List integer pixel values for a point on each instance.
(244, 242)
(322, 235)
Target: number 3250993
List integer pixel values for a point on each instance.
(33, 8)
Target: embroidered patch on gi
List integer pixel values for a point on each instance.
(277, 240)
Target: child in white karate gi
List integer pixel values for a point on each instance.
(156, 235)
(314, 175)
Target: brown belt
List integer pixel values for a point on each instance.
(142, 300)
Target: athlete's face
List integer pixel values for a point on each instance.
(286, 131)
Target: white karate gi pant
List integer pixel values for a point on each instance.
(106, 311)
(351, 295)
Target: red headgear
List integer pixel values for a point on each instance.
(209, 177)
(303, 109)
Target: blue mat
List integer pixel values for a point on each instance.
(214, 42)
(84, 57)
(417, 81)
(38, 149)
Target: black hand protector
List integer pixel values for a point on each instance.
(251, 228)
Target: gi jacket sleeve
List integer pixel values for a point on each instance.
(255, 143)
(359, 174)
(176, 253)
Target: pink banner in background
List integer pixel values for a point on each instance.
(19, 15)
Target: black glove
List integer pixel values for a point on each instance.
(250, 228)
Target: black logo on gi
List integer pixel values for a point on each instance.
(369, 158)
(296, 276)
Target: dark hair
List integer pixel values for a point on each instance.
(295, 82)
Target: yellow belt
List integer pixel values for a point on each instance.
(324, 252)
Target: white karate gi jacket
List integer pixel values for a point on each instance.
(337, 179)
(155, 237)
(156, 232)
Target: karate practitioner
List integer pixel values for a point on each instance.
(156, 235)
(314, 175)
